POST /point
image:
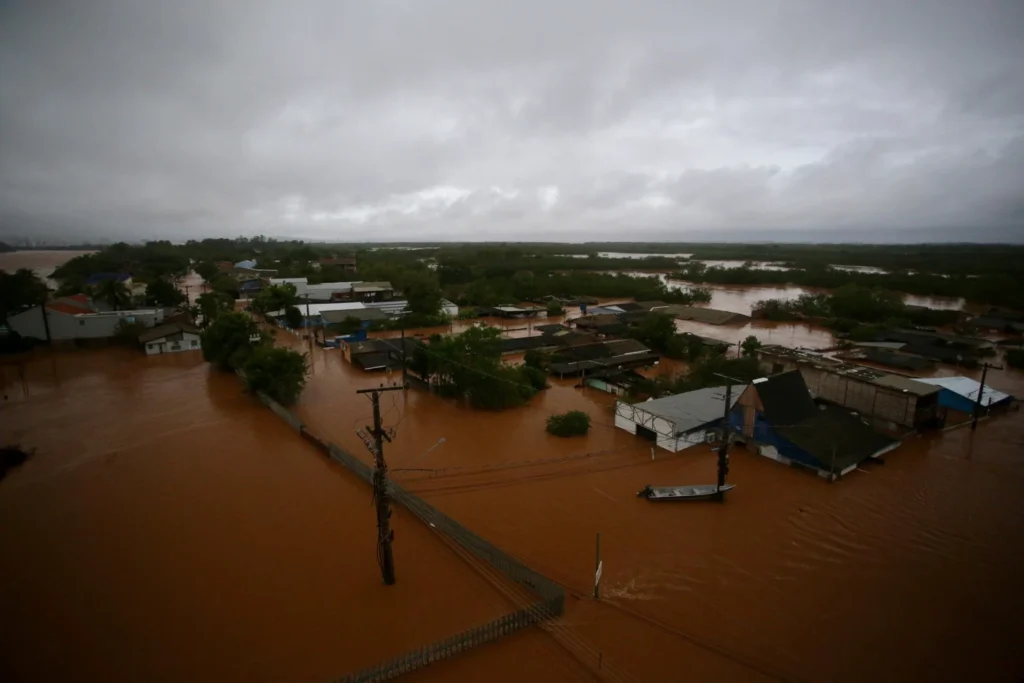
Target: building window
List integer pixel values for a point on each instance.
(81, 323)
(194, 343)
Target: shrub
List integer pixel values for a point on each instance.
(278, 373)
(1015, 358)
(572, 423)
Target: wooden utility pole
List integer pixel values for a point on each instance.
(981, 391)
(385, 558)
(723, 450)
(405, 376)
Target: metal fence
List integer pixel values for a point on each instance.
(551, 601)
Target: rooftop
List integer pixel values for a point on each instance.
(692, 409)
(161, 331)
(968, 388)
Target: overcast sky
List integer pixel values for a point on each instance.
(527, 119)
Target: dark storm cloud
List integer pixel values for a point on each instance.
(572, 120)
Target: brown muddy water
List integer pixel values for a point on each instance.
(169, 528)
(42, 262)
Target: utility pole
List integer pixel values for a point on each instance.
(597, 568)
(723, 450)
(405, 376)
(380, 485)
(981, 392)
(308, 333)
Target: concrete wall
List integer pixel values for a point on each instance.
(93, 326)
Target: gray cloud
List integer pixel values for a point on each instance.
(577, 119)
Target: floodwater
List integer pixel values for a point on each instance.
(42, 262)
(169, 528)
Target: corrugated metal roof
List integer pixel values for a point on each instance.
(692, 409)
(912, 386)
(968, 388)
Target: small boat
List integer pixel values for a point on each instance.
(661, 494)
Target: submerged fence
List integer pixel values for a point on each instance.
(551, 602)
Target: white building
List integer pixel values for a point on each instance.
(679, 421)
(74, 317)
(170, 338)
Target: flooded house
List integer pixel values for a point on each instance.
(680, 421)
(890, 401)
(586, 358)
(77, 317)
(777, 418)
(961, 394)
(710, 316)
(170, 338)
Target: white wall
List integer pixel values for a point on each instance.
(666, 439)
(64, 326)
(189, 342)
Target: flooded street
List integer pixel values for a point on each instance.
(165, 511)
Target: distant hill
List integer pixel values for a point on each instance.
(4, 247)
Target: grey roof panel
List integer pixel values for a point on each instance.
(692, 409)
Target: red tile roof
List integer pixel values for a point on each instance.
(61, 307)
(79, 297)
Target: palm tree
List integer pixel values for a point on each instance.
(114, 293)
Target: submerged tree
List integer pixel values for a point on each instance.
(278, 373)
(572, 423)
(750, 346)
(212, 305)
(163, 293)
(230, 340)
(114, 293)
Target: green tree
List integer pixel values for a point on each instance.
(207, 270)
(114, 293)
(212, 304)
(537, 359)
(750, 346)
(225, 284)
(163, 293)
(656, 331)
(20, 289)
(555, 308)
(229, 340)
(276, 298)
(572, 423)
(1015, 358)
(423, 293)
(293, 317)
(278, 373)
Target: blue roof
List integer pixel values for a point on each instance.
(246, 264)
(96, 278)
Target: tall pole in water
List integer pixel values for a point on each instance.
(405, 376)
(385, 556)
(597, 569)
(723, 450)
(308, 333)
(981, 391)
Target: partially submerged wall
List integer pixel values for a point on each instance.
(550, 596)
